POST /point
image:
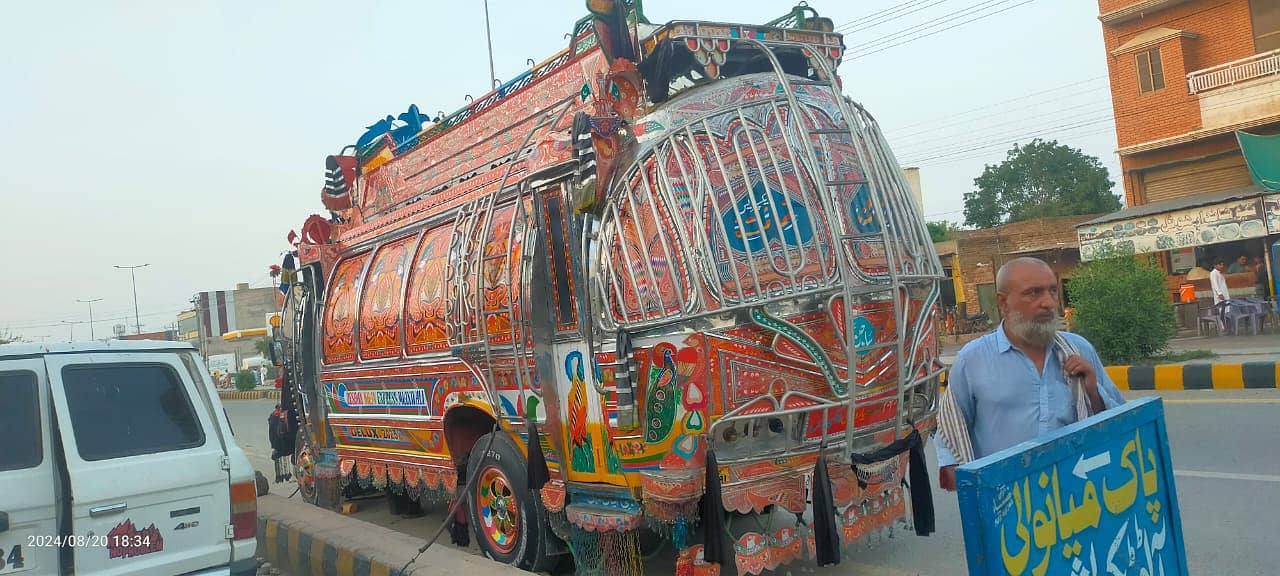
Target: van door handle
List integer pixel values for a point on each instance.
(108, 509)
(4, 521)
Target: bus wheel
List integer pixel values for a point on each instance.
(507, 518)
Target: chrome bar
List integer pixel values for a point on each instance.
(655, 289)
(728, 185)
(768, 198)
(672, 269)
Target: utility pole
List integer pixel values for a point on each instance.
(195, 305)
(90, 303)
(137, 323)
(488, 39)
(71, 324)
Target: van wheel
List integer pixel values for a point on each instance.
(304, 468)
(507, 518)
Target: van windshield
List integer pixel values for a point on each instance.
(19, 421)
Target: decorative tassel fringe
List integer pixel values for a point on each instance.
(713, 530)
(611, 553)
(921, 492)
(538, 475)
(587, 557)
(825, 533)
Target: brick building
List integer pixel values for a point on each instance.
(217, 314)
(971, 257)
(1189, 79)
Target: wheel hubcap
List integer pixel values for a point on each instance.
(498, 510)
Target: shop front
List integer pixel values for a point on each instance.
(1188, 236)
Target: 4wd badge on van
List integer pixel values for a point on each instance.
(125, 541)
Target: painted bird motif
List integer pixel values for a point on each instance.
(661, 397)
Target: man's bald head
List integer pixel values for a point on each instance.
(1027, 294)
(1013, 268)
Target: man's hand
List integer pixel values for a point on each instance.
(1077, 366)
(947, 478)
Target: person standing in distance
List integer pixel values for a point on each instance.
(1218, 282)
(1022, 380)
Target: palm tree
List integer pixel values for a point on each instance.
(263, 346)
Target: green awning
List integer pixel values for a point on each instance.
(1262, 153)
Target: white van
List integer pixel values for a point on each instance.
(117, 458)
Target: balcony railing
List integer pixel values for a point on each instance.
(1256, 66)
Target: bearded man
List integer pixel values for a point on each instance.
(1022, 380)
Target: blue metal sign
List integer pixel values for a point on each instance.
(1095, 498)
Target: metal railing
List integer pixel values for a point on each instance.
(1256, 66)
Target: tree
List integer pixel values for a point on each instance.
(940, 231)
(1122, 307)
(263, 346)
(1039, 180)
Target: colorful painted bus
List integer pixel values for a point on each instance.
(667, 277)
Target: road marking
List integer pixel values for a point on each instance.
(1222, 401)
(1227, 476)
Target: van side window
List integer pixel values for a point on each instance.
(120, 410)
(20, 445)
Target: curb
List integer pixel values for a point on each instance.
(297, 552)
(249, 395)
(1248, 375)
(299, 539)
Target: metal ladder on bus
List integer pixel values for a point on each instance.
(831, 183)
(481, 213)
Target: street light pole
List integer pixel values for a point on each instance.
(137, 323)
(90, 303)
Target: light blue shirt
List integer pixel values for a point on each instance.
(1006, 402)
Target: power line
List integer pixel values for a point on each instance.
(1006, 139)
(950, 148)
(96, 320)
(987, 149)
(865, 53)
(987, 153)
(950, 16)
(899, 133)
(1002, 102)
(867, 26)
(879, 13)
(1092, 108)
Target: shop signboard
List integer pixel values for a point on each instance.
(1271, 206)
(1200, 226)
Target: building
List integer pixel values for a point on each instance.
(1190, 80)
(226, 324)
(913, 180)
(161, 335)
(971, 257)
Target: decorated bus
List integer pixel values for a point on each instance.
(666, 290)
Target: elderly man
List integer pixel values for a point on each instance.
(1022, 380)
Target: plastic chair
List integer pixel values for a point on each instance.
(1238, 310)
(1213, 317)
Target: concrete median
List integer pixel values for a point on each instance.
(1197, 376)
(300, 539)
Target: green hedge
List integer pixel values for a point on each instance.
(1123, 308)
(245, 381)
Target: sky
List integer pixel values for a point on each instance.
(191, 136)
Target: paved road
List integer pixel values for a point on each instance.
(1224, 456)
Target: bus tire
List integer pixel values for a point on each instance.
(507, 519)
